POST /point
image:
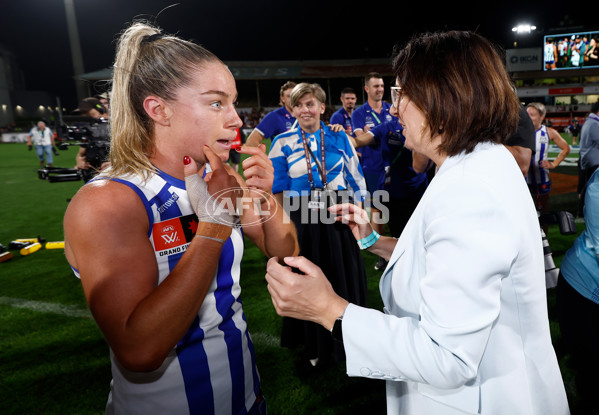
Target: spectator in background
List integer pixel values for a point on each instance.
(575, 57)
(538, 179)
(372, 113)
(251, 118)
(589, 152)
(562, 48)
(591, 56)
(574, 128)
(343, 115)
(578, 303)
(581, 47)
(328, 113)
(275, 122)
(42, 138)
(550, 54)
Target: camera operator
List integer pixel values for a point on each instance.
(85, 160)
(103, 97)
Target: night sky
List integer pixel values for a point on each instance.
(36, 30)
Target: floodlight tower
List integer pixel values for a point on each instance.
(75, 48)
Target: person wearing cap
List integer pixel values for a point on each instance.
(104, 101)
(93, 108)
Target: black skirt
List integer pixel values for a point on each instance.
(331, 246)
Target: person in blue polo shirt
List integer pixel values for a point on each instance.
(405, 178)
(343, 115)
(275, 122)
(374, 112)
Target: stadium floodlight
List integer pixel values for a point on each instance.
(523, 28)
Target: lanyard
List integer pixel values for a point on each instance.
(375, 117)
(373, 113)
(41, 134)
(307, 152)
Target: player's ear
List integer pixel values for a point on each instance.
(158, 110)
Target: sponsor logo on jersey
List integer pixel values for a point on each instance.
(171, 201)
(173, 236)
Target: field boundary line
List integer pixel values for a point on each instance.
(74, 311)
(44, 307)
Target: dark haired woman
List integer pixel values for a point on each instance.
(465, 327)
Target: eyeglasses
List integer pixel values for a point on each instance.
(396, 95)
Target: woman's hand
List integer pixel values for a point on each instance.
(353, 216)
(305, 296)
(264, 220)
(213, 197)
(81, 160)
(336, 128)
(258, 170)
(546, 164)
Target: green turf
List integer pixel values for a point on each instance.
(53, 359)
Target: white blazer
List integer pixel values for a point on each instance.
(465, 326)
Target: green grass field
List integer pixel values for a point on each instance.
(53, 359)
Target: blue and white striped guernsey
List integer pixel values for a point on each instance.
(343, 170)
(537, 174)
(212, 369)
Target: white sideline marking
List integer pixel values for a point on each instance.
(54, 308)
(74, 311)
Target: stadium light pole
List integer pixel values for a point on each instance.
(75, 48)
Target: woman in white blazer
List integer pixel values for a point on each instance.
(465, 326)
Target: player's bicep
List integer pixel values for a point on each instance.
(106, 230)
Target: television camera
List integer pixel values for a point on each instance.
(85, 132)
(562, 218)
(567, 226)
